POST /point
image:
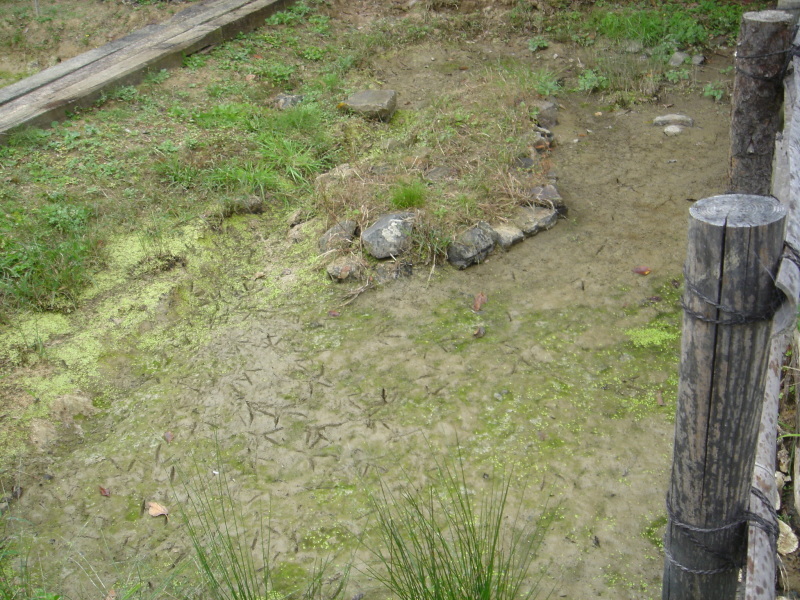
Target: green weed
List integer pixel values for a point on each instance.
(409, 195)
(537, 43)
(714, 91)
(447, 542)
(591, 81)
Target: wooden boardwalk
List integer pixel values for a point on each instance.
(78, 82)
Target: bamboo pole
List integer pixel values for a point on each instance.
(735, 243)
(764, 39)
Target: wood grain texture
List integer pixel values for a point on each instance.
(48, 96)
(734, 248)
(764, 37)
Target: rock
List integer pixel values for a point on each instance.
(373, 104)
(338, 237)
(540, 139)
(673, 119)
(471, 247)
(787, 540)
(524, 163)
(507, 235)
(633, 47)
(346, 268)
(301, 231)
(440, 174)
(390, 235)
(679, 58)
(296, 217)
(284, 101)
(698, 59)
(533, 219)
(546, 113)
(548, 196)
(337, 174)
(672, 130)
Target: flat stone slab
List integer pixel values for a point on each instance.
(532, 220)
(507, 235)
(373, 104)
(78, 82)
(338, 237)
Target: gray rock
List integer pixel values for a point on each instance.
(337, 174)
(548, 196)
(533, 219)
(471, 247)
(673, 130)
(673, 119)
(507, 235)
(338, 237)
(346, 268)
(546, 113)
(540, 139)
(524, 163)
(698, 59)
(390, 235)
(679, 58)
(373, 104)
(633, 47)
(284, 101)
(440, 174)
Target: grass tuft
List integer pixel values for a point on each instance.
(448, 543)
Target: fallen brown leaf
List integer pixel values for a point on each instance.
(168, 436)
(112, 595)
(641, 270)
(334, 313)
(259, 275)
(154, 509)
(480, 300)
(104, 491)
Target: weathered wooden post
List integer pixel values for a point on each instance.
(734, 248)
(764, 40)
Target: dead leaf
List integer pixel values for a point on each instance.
(112, 595)
(259, 275)
(168, 436)
(154, 509)
(249, 77)
(480, 300)
(640, 270)
(104, 491)
(479, 332)
(334, 313)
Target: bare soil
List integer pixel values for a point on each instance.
(305, 409)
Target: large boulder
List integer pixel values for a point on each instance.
(390, 235)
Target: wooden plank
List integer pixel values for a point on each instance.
(735, 243)
(165, 48)
(34, 82)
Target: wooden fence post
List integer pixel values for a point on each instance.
(764, 39)
(734, 248)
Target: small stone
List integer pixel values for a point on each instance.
(337, 174)
(346, 268)
(507, 235)
(673, 119)
(633, 47)
(440, 174)
(472, 247)
(673, 130)
(698, 59)
(284, 101)
(532, 220)
(389, 271)
(373, 104)
(787, 540)
(546, 113)
(338, 237)
(679, 58)
(524, 163)
(548, 196)
(389, 236)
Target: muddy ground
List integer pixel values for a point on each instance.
(306, 410)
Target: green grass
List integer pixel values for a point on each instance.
(450, 542)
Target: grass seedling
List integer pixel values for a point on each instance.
(448, 543)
